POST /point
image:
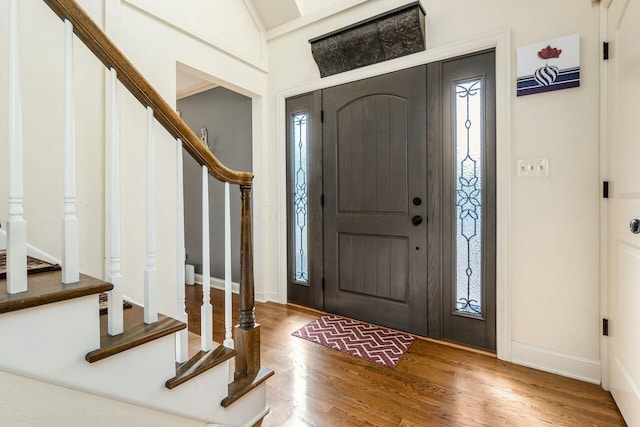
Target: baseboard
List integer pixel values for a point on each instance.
(567, 365)
(216, 283)
(262, 296)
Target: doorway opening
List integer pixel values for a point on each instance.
(223, 120)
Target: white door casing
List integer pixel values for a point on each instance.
(623, 247)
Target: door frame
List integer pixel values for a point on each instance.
(604, 206)
(501, 42)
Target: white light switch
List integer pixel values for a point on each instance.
(533, 168)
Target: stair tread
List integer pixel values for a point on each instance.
(243, 385)
(136, 333)
(199, 363)
(46, 288)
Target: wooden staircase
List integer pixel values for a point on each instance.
(50, 324)
(45, 290)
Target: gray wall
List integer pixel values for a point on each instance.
(227, 117)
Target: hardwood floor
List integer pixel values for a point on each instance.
(433, 385)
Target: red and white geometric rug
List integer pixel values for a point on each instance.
(374, 343)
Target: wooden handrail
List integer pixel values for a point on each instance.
(107, 52)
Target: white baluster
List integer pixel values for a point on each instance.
(70, 232)
(228, 307)
(206, 312)
(115, 319)
(182, 337)
(16, 225)
(150, 274)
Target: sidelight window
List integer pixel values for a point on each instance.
(300, 198)
(469, 184)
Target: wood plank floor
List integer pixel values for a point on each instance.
(433, 385)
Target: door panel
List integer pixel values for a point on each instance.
(374, 265)
(374, 165)
(372, 160)
(624, 205)
(624, 317)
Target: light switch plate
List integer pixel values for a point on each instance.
(532, 168)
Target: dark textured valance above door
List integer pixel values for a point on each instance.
(395, 33)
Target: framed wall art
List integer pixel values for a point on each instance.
(549, 65)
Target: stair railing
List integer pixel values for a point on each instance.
(247, 332)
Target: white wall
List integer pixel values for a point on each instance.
(553, 227)
(228, 26)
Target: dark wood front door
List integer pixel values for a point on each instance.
(394, 220)
(375, 213)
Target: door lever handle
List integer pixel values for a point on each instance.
(417, 220)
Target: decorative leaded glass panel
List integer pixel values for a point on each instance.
(468, 146)
(300, 198)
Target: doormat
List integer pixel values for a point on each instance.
(34, 265)
(373, 343)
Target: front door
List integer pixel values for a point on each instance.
(392, 200)
(375, 214)
(624, 207)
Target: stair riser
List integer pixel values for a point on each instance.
(58, 335)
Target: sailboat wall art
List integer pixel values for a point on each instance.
(549, 65)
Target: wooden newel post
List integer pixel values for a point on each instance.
(247, 332)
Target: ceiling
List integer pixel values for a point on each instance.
(277, 12)
(188, 84)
